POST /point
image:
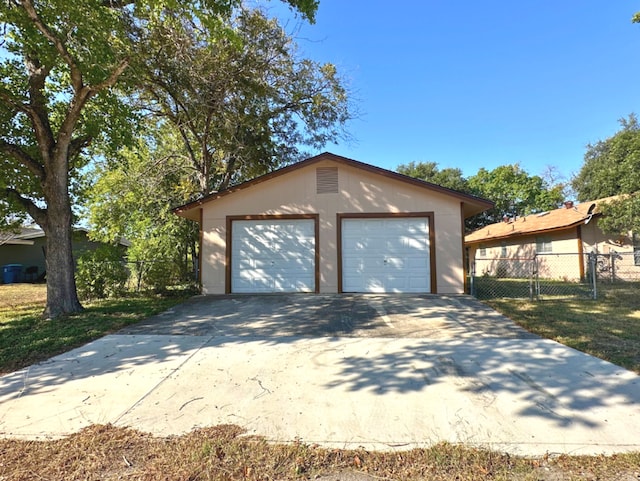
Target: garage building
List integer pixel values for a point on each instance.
(330, 224)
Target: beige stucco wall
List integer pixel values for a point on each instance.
(597, 241)
(359, 192)
(518, 261)
(619, 249)
(559, 264)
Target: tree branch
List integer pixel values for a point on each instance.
(116, 3)
(25, 159)
(38, 214)
(111, 79)
(41, 126)
(77, 144)
(76, 74)
(37, 108)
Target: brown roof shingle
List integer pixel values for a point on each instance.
(558, 219)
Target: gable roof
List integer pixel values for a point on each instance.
(558, 219)
(472, 204)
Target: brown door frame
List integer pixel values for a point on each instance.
(387, 215)
(229, 239)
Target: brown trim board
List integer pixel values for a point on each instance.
(386, 215)
(231, 218)
(200, 251)
(465, 252)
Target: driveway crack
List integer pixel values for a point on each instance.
(264, 392)
(170, 374)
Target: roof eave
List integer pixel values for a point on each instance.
(472, 205)
(19, 242)
(523, 234)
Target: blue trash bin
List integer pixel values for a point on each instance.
(11, 273)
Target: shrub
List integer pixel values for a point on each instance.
(158, 275)
(101, 273)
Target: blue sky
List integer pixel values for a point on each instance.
(473, 84)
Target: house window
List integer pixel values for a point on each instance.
(636, 249)
(482, 251)
(503, 250)
(543, 245)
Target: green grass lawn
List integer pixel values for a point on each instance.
(608, 328)
(26, 338)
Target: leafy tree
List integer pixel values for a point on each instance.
(219, 114)
(449, 177)
(132, 197)
(61, 62)
(612, 167)
(245, 104)
(514, 192)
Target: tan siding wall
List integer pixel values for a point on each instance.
(595, 240)
(519, 252)
(359, 192)
(556, 265)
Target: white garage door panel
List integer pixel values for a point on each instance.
(386, 255)
(273, 256)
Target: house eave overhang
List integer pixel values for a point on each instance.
(19, 242)
(514, 234)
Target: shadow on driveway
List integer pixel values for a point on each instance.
(379, 371)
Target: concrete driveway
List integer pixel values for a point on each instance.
(383, 372)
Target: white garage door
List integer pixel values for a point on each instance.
(386, 255)
(273, 255)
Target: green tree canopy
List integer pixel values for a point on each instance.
(449, 177)
(63, 68)
(218, 114)
(514, 191)
(245, 104)
(133, 198)
(612, 167)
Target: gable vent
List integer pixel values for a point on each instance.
(327, 180)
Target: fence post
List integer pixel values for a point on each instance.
(612, 263)
(472, 277)
(533, 271)
(594, 275)
(536, 277)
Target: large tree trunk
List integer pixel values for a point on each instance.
(62, 297)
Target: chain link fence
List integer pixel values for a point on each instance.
(555, 275)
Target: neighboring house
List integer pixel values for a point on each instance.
(27, 248)
(330, 224)
(560, 239)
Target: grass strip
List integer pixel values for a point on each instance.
(223, 453)
(27, 338)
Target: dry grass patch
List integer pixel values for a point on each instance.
(15, 296)
(222, 453)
